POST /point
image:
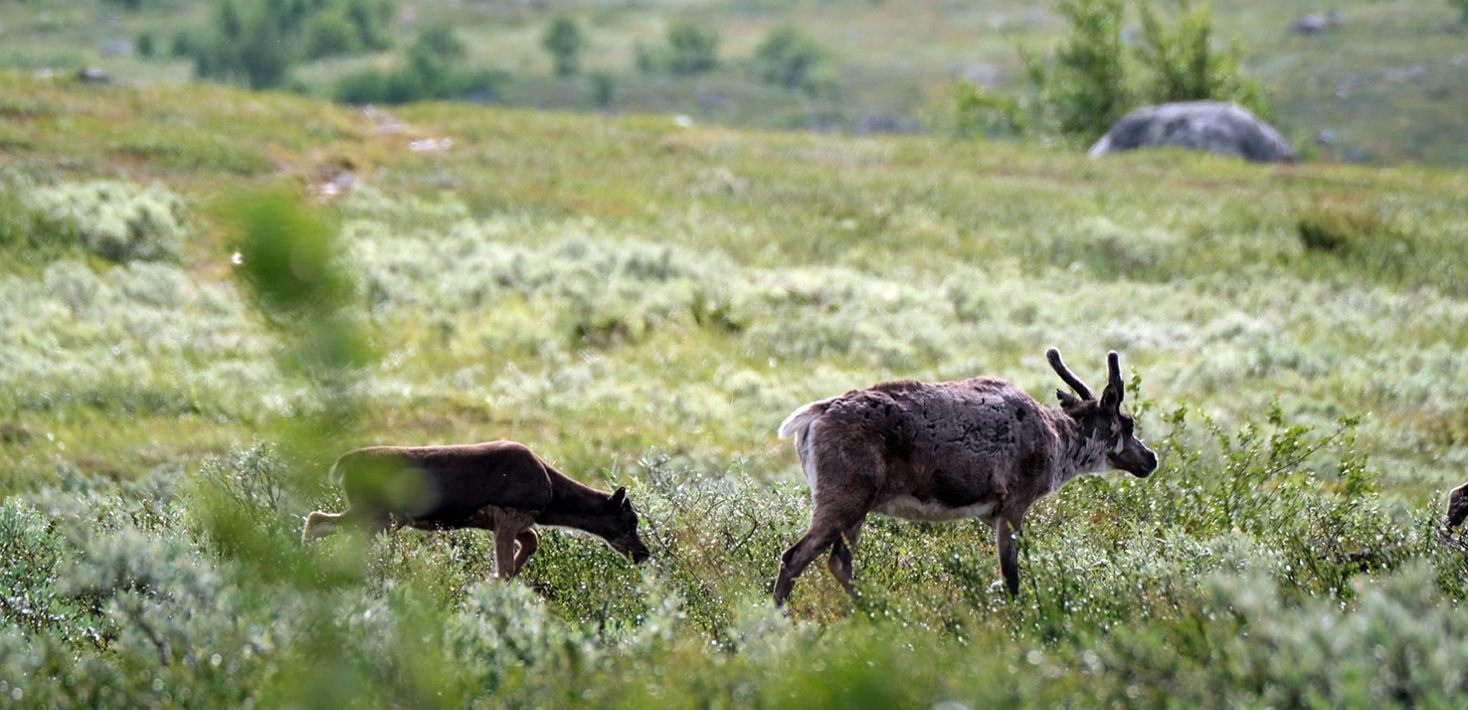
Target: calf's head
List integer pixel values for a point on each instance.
(1103, 420)
(618, 526)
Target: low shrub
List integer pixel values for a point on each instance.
(115, 220)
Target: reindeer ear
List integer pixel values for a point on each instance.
(618, 498)
(1067, 400)
(1115, 387)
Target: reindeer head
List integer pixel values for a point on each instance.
(620, 528)
(1103, 421)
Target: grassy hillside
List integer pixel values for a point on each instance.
(643, 302)
(1385, 85)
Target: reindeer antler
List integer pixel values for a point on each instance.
(1113, 375)
(1074, 382)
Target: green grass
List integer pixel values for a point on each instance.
(643, 302)
(1384, 86)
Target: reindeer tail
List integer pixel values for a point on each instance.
(799, 420)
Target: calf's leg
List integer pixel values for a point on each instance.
(529, 540)
(508, 525)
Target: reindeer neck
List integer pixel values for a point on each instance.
(573, 505)
(1083, 451)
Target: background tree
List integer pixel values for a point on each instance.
(1092, 79)
(1083, 88)
(691, 50)
(787, 57)
(256, 42)
(564, 40)
(1179, 63)
(1462, 6)
(432, 69)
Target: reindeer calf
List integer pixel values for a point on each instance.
(946, 451)
(499, 485)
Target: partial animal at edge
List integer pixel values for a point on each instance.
(981, 448)
(1457, 506)
(499, 485)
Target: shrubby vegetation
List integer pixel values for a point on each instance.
(114, 220)
(256, 42)
(690, 50)
(1178, 589)
(789, 58)
(1094, 78)
(431, 70)
(643, 302)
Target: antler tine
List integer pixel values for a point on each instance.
(1074, 382)
(1113, 376)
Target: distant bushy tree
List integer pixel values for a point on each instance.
(1462, 6)
(1179, 62)
(256, 42)
(147, 46)
(1083, 89)
(564, 40)
(1092, 79)
(603, 90)
(691, 50)
(431, 70)
(787, 57)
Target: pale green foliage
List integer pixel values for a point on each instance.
(1093, 78)
(116, 220)
(144, 338)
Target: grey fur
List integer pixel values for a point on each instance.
(948, 450)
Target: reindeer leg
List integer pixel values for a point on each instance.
(508, 525)
(320, 524)
(529, 540)
(840, 560)
(825, 530)
(1007, 529)
(799, 556)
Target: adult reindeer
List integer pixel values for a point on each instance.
(499, 485)
(980, 448)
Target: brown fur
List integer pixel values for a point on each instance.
(499, 485)
(949, 450)
(1457, 506)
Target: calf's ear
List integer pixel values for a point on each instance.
(618, 498)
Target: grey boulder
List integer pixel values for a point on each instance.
(1212, 126)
